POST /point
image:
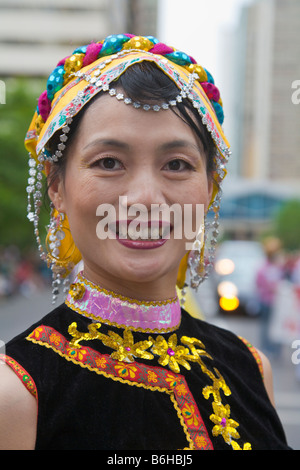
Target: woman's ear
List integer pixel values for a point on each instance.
(56, 189)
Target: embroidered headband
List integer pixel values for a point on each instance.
(74, 82)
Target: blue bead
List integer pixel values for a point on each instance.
(80, 50)
(180, 58)
(209, 77)
(113, 44)
(55, 81)
(152, 39)
(219, 111)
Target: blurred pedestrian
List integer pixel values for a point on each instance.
(295, 278)
(268, 278)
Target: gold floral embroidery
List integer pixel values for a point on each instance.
(78, 336)
(223, 424)
(170, 354)
(236, 446)
(173, 355)
(125, 347)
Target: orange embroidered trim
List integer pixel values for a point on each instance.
(135, 374)
(255, 354)
(23, 375)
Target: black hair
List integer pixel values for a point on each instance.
(145, 83)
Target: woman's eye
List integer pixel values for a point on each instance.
(109, 163)
(178, 165)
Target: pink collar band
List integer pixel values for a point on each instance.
(107, 307)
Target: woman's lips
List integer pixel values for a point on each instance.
(141, 244)
(142, 235)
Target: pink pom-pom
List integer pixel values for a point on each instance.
(161, 49)
(211, 91)
(129, 35)
(62, 61)
(44, 105)
(91, 54)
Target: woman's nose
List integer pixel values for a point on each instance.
(145, 189)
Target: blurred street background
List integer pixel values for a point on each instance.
(252, 49)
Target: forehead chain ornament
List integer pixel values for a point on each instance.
(198, 266)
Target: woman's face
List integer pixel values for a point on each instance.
(148, 158)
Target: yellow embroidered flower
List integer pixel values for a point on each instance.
(125, 347)
(224, 425)
(171, 380)
(126, 370)
(152, 376)
(191, 418)
(54, 339)
(181, 390)
(101, 362)
(37, 332)
(201, 442)
(170, 354)
(77, 354)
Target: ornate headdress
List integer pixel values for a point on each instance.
(71, 85)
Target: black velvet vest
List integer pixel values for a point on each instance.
(90, 400)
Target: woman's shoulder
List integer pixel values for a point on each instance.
(18, 412)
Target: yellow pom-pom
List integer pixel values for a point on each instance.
(195, 68)
(138, 42)
(72, 65)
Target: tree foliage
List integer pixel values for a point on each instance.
(15, 117)
(287, 225)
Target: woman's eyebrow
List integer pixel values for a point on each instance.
(180, 143)
(108, 143)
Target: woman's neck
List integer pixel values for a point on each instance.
(156, 290)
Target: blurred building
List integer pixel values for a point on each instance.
(269, 123)
(262, 63)
(36, 33)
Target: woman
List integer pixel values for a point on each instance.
(127, 129)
